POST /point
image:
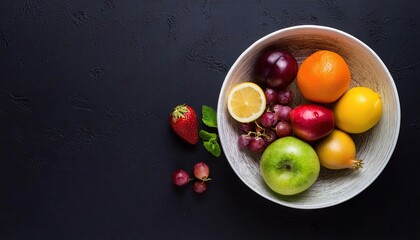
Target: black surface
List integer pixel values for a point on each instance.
(86, 151)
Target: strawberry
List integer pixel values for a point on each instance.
(183, 121)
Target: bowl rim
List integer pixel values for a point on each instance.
(363, 45)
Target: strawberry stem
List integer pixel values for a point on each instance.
(179, 112)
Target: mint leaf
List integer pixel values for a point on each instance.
(213, 147)
(206, 135)
(209, 116)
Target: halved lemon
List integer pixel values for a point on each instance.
(246, 102)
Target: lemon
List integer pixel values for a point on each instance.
(246, 102)
(358, 110)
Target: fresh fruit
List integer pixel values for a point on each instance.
(311, 122)
(282, 112)
(244, 140)
(269, 137)
(183, 121)
(272, 124)
(246, 102)
(283, 129)
(323, 77)
(180, 177)
(358, 110)
(289, 166)
(271, 95)
(269, 119)
(276, 68)
(257, 144)
(285, 96)
(199, 186)
(202, 171)
(255, 137)
(338, 151)
(247, 127)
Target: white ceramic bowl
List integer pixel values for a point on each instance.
(375, 146)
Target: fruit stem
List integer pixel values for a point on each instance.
(179, 112)
(248, 134)
(205, 179)
(258, 125)
(257, 134)
(357, 164)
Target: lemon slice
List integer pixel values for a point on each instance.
(246, 102)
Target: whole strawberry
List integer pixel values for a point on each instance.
(183, 121)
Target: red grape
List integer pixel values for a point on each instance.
(285, 96)
(180, 177)
(269, 119)
(269, 136)
(277, 68)
(283, 129)
(243, 140)
(282, 112)
(271, 96)
(201, 171)
(199, 187)
(257, 144)
(247, 127)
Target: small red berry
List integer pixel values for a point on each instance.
(180, 177)
(199, 187)
(202, 171)
(183, 121)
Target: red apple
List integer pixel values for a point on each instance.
(311, 122)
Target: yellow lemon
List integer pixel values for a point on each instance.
(246, 102)
(358, 110)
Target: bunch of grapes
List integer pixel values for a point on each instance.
(201, 170)
(274, 122)
(276, 69)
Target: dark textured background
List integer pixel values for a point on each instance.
(86, 151)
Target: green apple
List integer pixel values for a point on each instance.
(289, 166)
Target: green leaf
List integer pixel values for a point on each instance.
(206, 135)
(213, 147)
(209, 116)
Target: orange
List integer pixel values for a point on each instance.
(246, 102)
(323, 77)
